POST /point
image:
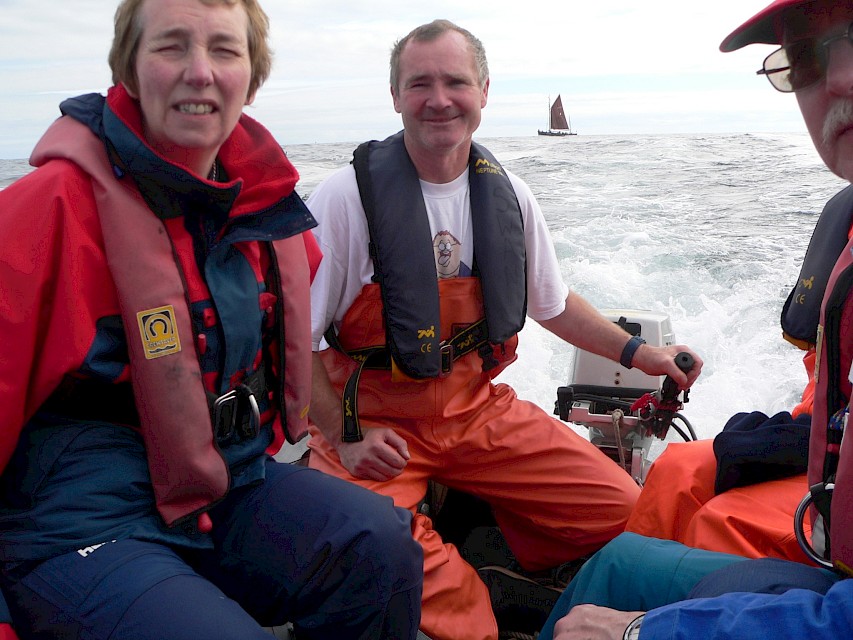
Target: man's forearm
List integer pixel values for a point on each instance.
(583, 326)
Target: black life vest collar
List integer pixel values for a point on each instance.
(801, 312)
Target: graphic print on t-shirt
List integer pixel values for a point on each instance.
(448, 256)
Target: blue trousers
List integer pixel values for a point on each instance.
(635, 573)
(336, 560)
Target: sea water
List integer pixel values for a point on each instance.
(708, 229)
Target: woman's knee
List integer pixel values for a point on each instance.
(386, 532)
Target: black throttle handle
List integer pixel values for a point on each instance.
(657, 409)
(669, 389)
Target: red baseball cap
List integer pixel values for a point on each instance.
(763, 27)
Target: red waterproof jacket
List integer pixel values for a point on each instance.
(85, 258)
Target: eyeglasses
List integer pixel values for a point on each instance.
(802, 63)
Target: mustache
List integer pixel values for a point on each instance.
(838, 118)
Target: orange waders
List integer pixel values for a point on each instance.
(678, 501)
(555, 496)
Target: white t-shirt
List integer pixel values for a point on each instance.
(346, 266)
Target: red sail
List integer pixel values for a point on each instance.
(558, 116)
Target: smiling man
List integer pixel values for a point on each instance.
(422, 405)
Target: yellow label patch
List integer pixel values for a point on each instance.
(426, 333)
(484, 166)
(159, 332)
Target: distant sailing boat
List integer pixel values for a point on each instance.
(558, 124)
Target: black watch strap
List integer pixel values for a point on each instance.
(627, 357)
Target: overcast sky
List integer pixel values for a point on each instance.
(622, 66)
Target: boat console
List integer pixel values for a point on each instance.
(626, 409)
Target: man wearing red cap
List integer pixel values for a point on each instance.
(640, 588)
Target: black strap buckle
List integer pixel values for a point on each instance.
(236, 411)
(447, 357)
(819, 495)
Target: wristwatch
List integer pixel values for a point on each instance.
(632, 631)
(627, 357)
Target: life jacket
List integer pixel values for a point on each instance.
(830, 453)
(464, 387)
(414, 345)
(404, 261)
(187, 470)
(801, 311)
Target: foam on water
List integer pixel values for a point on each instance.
(708, 229)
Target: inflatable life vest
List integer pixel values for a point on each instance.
(801, 311)
(403, 258)
(188, 472)
(830, 452)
